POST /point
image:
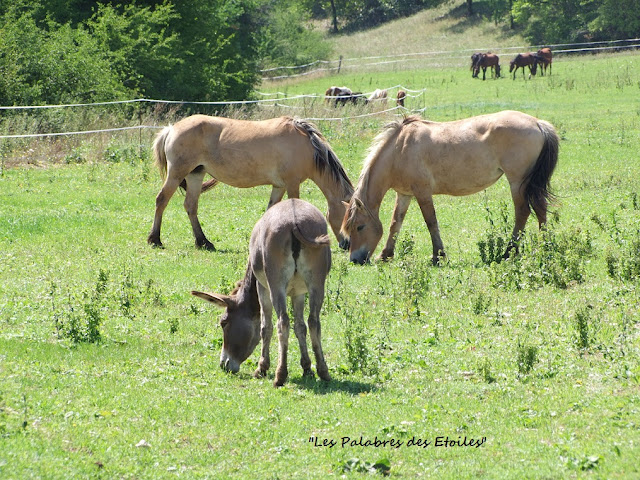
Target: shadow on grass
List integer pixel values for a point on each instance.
(320, 387)
(482, 12)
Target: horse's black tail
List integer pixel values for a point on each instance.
(324, 157)
(537, 191)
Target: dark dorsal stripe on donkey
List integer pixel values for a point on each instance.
(289, 254)
(281, 152)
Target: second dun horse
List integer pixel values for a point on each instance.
(281, 152)
(418, 158)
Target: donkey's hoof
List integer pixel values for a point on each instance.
(324, 375)
(307, 372)
(155, 242)
(281, 377)
(259, 373)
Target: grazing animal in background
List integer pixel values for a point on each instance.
(400, 98)
(342, 95)
(545, 59)
(289, 255)
(378, 96)
(418, 158)
(524, 60)
(281, 152)
(474, 59)
(487, 60)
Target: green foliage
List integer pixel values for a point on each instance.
(527, 357)
(550, 257)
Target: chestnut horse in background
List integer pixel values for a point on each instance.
(281, 152)
(400, 98)
(545, 59)
(484, 61)
(418, 158)
(524, 60)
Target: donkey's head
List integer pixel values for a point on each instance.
(240, 324)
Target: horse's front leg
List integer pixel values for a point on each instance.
(429, 214)
(399, 212)
(266, 330)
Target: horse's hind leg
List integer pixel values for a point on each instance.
(316, 297)
(300, 329)
(429, 215)
(194, 188)
(522, 213)
(162, 199)
(399, 212)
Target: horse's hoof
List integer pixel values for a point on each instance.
(206, 245)
(308, 373)
(155, 242)
(324, 375)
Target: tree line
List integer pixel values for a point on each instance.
(63, 51)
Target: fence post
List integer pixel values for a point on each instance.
(340, 64)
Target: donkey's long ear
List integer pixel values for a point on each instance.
(221, 301)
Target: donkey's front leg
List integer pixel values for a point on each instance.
(399, 212)
(266, 330)
(429, 214)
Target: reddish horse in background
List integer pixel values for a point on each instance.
(484, 61)
(545, 58)
(524, 60)
(400, 98)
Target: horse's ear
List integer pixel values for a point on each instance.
(346, 204)
(358, 203)
(221, 301)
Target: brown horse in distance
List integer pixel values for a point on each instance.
(289, 255)
(400, 98)
(524, 60)
(545, 59)
(484, 61)
(281, 152)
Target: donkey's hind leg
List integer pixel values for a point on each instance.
(266, 330)
(300, 329)
(316, 297)
(162, 199)
(194, 188)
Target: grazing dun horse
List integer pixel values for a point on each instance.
(289, 254)
(378, 96)
(419, 158)
(524, 60)
(282, 152)
(545, 59)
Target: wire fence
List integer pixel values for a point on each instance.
(440, 58)
(281, 101)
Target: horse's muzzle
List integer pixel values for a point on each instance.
(344, 244)
(360, 256)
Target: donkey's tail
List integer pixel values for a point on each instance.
(159, 153)
(317, 242)
(537, 191)
(324, 157)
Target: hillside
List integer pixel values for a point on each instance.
(442, 29)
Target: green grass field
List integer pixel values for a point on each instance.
(109, 368)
